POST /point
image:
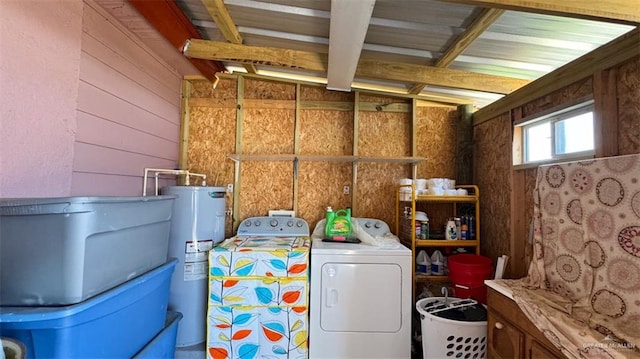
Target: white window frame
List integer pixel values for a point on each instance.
(552, 117)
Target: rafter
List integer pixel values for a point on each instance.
(477, 27)
(305, 60)
(269, 56)
(618, 11)
(436, 76)
(169, 20)
(219, 13)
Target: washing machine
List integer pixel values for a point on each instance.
(258, 291)
(360, 299)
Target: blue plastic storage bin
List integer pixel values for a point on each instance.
(163, 346)
(115, 324)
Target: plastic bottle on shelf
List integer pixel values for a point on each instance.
(464, 227)
(472, 227)
(424, 229)
(437, 263)
(423, 262)
(451, 232)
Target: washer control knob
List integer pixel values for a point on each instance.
(257, 223)
(273, 222)
(299, 224)
(367, 224)
(289, 223)
(378, 225)
(247, 223)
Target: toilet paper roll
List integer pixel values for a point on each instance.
(421, 183)
(449, 183)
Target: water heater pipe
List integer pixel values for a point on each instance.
(159, 171)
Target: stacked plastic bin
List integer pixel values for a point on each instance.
(87, 277)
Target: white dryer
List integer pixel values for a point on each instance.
(360, 299)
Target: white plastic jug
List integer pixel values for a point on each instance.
(424, 264)
(437, 263)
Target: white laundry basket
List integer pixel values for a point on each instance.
(452, 328)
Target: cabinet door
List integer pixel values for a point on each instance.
(538, 351)
(505, 340)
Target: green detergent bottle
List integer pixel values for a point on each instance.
(338, 226)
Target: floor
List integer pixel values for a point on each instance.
(192, 352)
(198, 351)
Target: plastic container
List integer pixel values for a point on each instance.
(61, 251)
(423, 262)
(163, 346)
(437, 263)
(452, 328)
(114, 324)
(338, 225)
(198, 223)
(468, 273)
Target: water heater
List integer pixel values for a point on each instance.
(197, 225)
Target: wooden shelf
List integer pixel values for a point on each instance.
(322, 158)
(432, 278)
(456, 204)
(446, 199)
(445, 243)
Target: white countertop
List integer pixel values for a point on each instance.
(499, 287)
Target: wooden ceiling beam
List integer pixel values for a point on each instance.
(436, 76)
(618, 11)
(384, 70)
(220, 14)
(477, 27)
(171, 22)
(269, 56)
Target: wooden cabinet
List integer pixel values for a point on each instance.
(439, 209)
(515, 337)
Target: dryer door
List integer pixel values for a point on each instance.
(362, 297)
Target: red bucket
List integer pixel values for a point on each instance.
(468, 273)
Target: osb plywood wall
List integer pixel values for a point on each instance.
(214, 126)
(494, 172)
(324, 127)
(436, 130)
(386, 134)
(267, 129)
(628, 76)
(492, 167)
(330, 133)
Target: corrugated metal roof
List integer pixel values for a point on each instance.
(518, 45)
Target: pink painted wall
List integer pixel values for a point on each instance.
(39, 75)
(129, 105)
(85, 104)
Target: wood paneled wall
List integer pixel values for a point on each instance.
(260, 117)
(128, 111)
(507, 194)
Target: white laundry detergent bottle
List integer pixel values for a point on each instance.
(437, 263)
(423, 262)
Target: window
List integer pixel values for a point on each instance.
(561, 134)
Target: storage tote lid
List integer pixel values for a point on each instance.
(54, 205)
